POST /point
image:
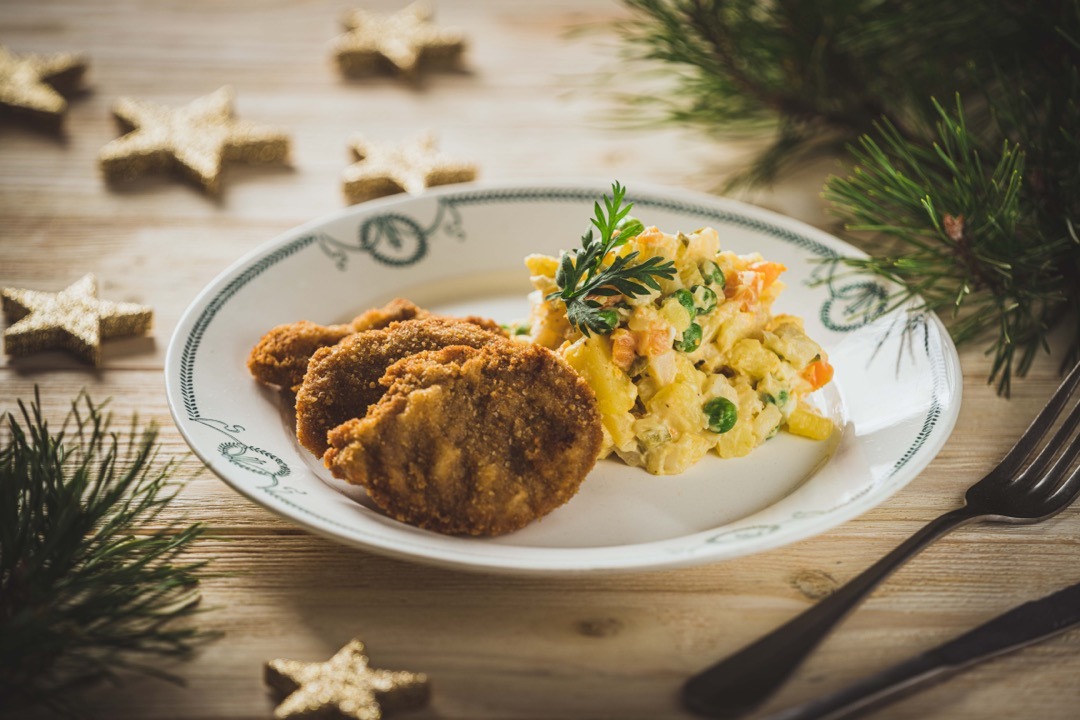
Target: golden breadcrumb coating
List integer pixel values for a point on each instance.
(343, 380)
(281, 356)
(476, 441)
(396, 310)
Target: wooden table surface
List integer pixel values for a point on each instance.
(531, 107)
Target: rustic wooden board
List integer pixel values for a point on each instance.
(529, 109)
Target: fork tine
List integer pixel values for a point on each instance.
(1068, 490)
(1036, 472)
(1011, 463)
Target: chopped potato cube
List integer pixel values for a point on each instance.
(752, 358)
(678, 406)
(675, 314)
(767, 421)
(674, 457)
(615, 392)
(809, 424)
(543, 265)
(737, 441)
(704, 244)
(791, 343)
(734, 325)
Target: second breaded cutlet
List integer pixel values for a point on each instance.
(343, 380)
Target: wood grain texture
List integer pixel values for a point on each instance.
(496, 647)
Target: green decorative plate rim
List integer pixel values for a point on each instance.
(395, 238)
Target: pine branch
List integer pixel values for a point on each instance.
(816, 72)
(88, 585)
(982, 204)
(966, 241)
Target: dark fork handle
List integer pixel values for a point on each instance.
(741, 682)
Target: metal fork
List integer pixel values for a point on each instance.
(1035, 481)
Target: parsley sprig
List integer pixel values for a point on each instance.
(584, 279)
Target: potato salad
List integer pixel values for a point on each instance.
(694, 362)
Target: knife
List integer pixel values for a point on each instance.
(1022, 626)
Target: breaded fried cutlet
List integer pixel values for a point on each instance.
(472, 441)
(281, 356)
(343, 380)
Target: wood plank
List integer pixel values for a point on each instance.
(534, 106)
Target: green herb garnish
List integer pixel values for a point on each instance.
(583, 278)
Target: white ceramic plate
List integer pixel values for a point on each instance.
(895, 396)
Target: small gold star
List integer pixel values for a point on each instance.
(344, 687)
(408, 167)
(405, 41)
(194, 139)
(34, 85)
(72, 319)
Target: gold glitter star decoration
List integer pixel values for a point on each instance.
(409, 167)
(72, 319)
(34, 86)
(194, 140)
(405, 42)
(343, 687)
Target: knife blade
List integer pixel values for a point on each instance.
(1022, 626)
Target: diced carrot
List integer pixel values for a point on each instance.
(744, 287)
(650, 236)
(818, 373)
(623, 348)
(768, 271)
(656, 340)
(731, 283)
(605, 301)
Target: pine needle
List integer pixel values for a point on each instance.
(981, 202)
(91, 583)
(965, 241)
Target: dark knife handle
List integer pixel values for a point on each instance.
(735, 686)
(870, 692)
(1017, 628)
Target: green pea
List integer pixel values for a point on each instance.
(722, 415)
(610, 318)
(690, 340)
(779, 399)
(686, 299)
(704, 299)
(713, 274)
(629, 228)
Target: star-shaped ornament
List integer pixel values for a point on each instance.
(343, 687)
(34, 85)
(195, 140)
(404, 42)
(72, 319)
(408, 167)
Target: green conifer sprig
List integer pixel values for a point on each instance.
(981, 203)
(92, 579)
(965, 241)
(818, 73)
